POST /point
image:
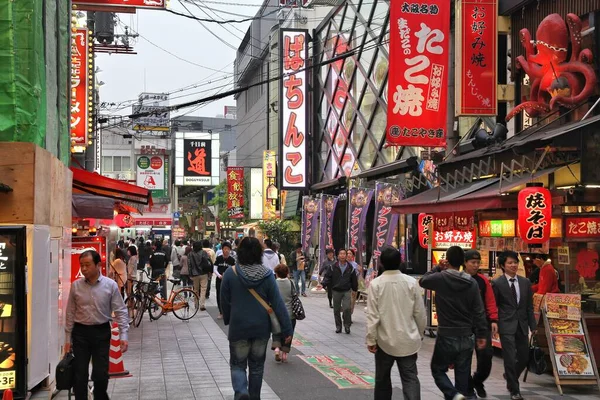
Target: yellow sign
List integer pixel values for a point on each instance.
(269, 177)
(556, 228)
(7, 380)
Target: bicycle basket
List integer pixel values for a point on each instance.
(148, 287)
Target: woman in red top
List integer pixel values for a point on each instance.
(548, 276)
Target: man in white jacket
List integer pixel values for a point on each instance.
(270, 259)
(396, 321)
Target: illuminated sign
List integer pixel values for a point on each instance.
(196, 159)
(154, 4)
(497, 228)
(81, 101)
(256, 193)
(269, 178)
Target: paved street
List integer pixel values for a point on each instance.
(171, 359)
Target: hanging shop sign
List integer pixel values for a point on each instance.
(582, 227)
(357, 215)
(293, 115)
(424, 225)
(269, 182)
(535, 214)
(327, 211)
(256, 193)
(476, 57)
(81, 75)
(152, 4)
(445, 240)
(497, 228)
(151, 175)
(310, 212)
(153, 221)
(124, 221)
(235, 192)
(154, 118)
(385, 222)
(197, 159)
(418, 79)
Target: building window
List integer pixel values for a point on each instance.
(116, 164)
(227, 128)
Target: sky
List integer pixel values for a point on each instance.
(155, 70)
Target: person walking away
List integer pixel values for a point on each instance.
(200, 267)
(175, 257)
(249, 323)
(185, 268)
(459, 310)
(325, 266)
(342, 279)
(270, 259)
(514, 297)
(144, 253)
(396, 322)
(548, 278)
(276, 247)
(287, 290)
(223, 262)
(118, 270)
(158, 263)
(297, 266)
(206, 246)
(92, 301)
(484, 356)
(132, 264)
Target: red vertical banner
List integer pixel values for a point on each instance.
(418, 73)
(80, 80)
(476, 58)
(235, 192)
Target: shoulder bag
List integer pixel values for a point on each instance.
(297, 307)
(65, 372)
(275, 325)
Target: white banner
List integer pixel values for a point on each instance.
(151, 172)
(256, 193)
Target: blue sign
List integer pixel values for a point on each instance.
(176, 214)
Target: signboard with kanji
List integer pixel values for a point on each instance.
(582, 227)
(235, 192)
(535, 214)
(293, 107)
(153, 4)
(80, 82)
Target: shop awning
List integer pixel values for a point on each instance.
(90, 206)
(92, 183)
(484, 194)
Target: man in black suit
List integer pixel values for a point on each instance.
(514, 299)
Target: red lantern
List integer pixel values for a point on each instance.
(423, 225)
(535, 215)
(124, 220)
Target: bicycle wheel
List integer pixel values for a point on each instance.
(185, 304)
(139, 309)
(154, 309)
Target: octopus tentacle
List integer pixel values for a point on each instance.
(534, 106)
(588, 89)
(574, 24)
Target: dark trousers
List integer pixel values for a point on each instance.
(163, 281)
(484, 364)
(91, 342)
(218, 286)
(407, 366)
(515, 352)
(208, 286)
(329, 295)
(342, 304)
(457, 351)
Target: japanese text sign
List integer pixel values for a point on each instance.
(360, 199)
(582, 227)
(476, 58)
(497, 228)
(423, 226)
(269, 177)
(310, 213)
(384, 225)
(80, 76)
(156, 4)
(443, 239)
(417, 83)
(535, 214)
(197, 165)
(235, 192)
(293, 106)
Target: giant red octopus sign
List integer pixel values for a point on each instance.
(555, 81)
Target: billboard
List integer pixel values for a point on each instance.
(235, 192)
(197, 159)
(269, 179)
(418, 84)
(152, 174)
(80, 82)
(256, 193)
(293, 115)
(158, 118)
(153, 4)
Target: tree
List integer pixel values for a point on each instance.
(220, 201)
(281, 232)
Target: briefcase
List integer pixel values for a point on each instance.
(65, 372)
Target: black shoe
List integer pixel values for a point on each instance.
(516, 396)
(348, 330)
(338, 330)
(480, 390)
(244, 397)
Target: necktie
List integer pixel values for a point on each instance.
(514, 289)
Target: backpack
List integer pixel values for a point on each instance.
(200, 264)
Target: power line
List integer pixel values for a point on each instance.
(230, 21)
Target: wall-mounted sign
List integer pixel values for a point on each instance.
(235, 192)
(535, 214)
(418, 86)
(156, 4)
(153, 221)
(80, 93)
(269, 178)
(497, 228)
(293, 105)
(151, 174)
(256, 193)
(582, 227)
(476, 57)
(423, 225)
(445, 240)
(197, 159)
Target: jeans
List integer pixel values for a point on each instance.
(251, 353)
(484, 364)
(91, 341)
(407, 366)
(302, 276)
(341, 303)
(457, 351)
(200, 282)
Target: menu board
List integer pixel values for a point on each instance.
(12, 310)
(572, 355)
(563, 306)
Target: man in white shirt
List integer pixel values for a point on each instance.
(396, 321)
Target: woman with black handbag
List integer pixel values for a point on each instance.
(289, 296)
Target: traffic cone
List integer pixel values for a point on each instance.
(8, 395)
(116, 368)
